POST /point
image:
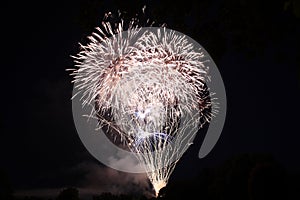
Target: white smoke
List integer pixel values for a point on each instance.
(98, 179)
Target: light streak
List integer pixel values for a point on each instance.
(149, 86)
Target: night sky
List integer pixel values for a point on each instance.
(255, 45)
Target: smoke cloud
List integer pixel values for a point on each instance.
(98, 178)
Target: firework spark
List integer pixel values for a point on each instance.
(148, 85)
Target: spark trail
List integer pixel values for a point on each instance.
(148, 85)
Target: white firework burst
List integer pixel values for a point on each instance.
(148, 85)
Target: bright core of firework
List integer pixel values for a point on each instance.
(158, 185)
(148, 85)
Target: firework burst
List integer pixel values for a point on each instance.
(148, 85)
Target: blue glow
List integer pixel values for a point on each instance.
(155, 137)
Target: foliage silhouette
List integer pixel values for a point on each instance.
(6, 191)
(68, 194)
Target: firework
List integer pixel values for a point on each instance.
(148, 86)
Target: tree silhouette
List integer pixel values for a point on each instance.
(6, 191)
(245, 176)
(266, 181)
(68, 194)
(110, 196)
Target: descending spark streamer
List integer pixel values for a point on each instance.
(148, 86)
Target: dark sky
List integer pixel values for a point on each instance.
(255, 46)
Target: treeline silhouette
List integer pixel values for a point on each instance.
(243, 177)
(246, 176)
